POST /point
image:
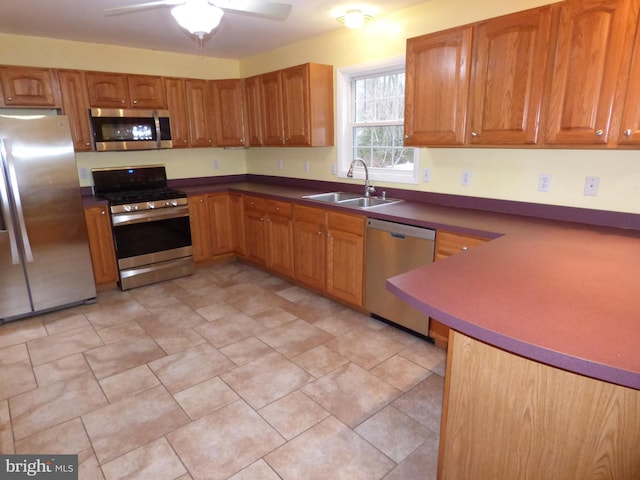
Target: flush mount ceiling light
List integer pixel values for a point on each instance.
(199, 17)
(354, 18)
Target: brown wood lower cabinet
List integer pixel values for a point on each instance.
(268, 226)
(211, 222)
(329, 252)
(507, 417)
(103, 255)
(448, 244)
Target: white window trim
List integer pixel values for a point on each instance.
(345, 135)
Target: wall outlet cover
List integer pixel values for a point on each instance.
(466, 178)
(544, 182)
(591, 186)
(426, 175)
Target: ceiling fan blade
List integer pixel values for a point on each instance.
(141, 6)
(264, 8)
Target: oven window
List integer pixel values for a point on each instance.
(151, 237)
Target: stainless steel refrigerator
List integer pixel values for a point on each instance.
(45, 262)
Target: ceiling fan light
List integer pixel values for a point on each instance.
(354, 18)
(199, 18)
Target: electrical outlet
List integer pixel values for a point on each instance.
(544, 182)
(279, 164)
(216, 165)
(306, 165)
(426, 175)
(334, 169)
(84, 173)
(466, 178)
(591, 186)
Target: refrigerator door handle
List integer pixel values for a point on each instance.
(13, 182)
(6, 208)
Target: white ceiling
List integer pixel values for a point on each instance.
(237, 37)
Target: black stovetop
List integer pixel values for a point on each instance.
(133, 184)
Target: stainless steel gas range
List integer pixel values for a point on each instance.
(150, 224)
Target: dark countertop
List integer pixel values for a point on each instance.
(561, 293)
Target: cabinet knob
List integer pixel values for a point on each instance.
(599, 132)
(10, 99)
(406, 136)
(474, 134)
(464, 248)
(320, 232)
(103, 212)
(627, 132)
(135, 102)
(88, 144)
(122, 101)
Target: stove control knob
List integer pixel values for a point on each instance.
(151, 205)
(127, 208)
(135, 207)
(174, 203)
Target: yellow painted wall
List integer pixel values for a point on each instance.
(496, 173)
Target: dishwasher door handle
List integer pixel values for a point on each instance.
(397, 235)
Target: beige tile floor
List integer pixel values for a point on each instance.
(227, 373)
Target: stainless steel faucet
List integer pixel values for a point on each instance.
(368, 189)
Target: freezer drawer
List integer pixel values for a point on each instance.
(392, 249)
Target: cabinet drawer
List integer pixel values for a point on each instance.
(448, 243)
(347, 223)
(275, 207)
(253, 203)
(309, 214)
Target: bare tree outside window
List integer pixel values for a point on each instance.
(378, 119)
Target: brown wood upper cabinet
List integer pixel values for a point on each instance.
(436, 89)
(201, 121)
(75, 104)
(254, 115)
(117, 90)
(593, 51)
(296, 106)
(29, 87)
(177, 105)
(507, 77)
(229, 109)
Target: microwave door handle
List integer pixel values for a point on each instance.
(4, 203)
(13, 182)
(156, 122)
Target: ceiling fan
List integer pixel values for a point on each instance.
(200, 17)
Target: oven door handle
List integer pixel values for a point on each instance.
(128, 218)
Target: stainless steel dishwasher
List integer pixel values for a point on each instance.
(392, 249)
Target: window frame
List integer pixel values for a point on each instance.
(344, 108)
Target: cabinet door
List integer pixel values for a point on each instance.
(280, 237)
(630, 124)
(507, 75)
(254, 116)
(295, 105)
(271, 109)
(255, 229)
(309, 246)
(590, 56)
(177, 105)
(147, 91)
(237, 222)
(103, 255)
(448, 244)
(29, 87)
(200, 115)
(75, 104)
(108, 90)
(229, 108)
(200, 228)
(345, 257)
(221, 224)
(437, 86)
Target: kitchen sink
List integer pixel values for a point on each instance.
(351, 199)
(332, 197)
(368, 202)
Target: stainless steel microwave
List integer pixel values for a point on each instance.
(116, 129)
